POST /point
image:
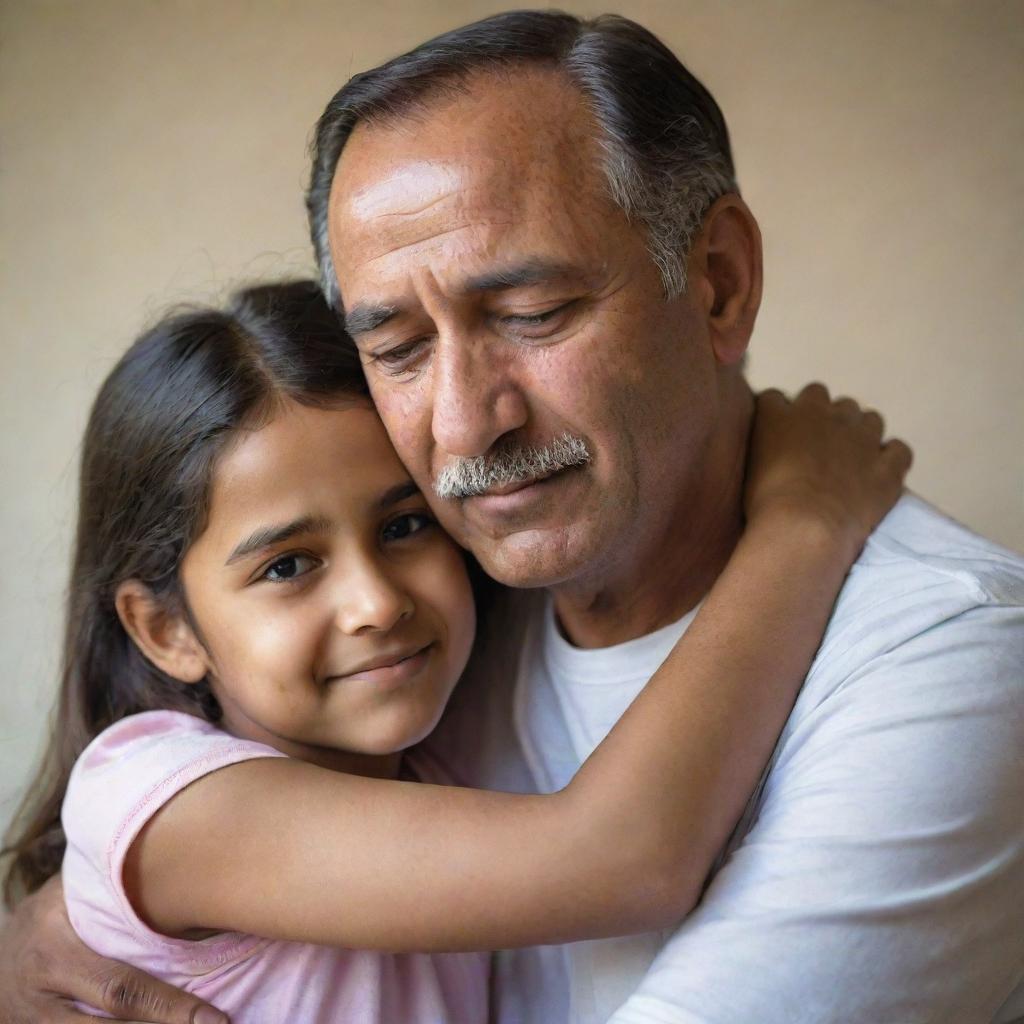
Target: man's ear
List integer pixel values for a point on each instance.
(724, 271)
(164, 637)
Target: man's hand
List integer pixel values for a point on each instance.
(44, 965)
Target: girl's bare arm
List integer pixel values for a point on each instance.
(288, 850)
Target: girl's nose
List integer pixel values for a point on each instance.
(371, 602)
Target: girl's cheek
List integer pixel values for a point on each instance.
(449, 576)
(287, 637)
(454, 600)
(263, 641)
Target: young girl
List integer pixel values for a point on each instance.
(264, 618)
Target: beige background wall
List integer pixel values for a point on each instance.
(154, 152)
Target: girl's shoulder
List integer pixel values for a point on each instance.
(137, 734)
(153, 744)
(120, 781)
(132, 769)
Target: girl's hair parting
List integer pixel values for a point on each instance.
(157, 426)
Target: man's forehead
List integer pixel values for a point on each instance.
(461, 216)
(384, 192)
(477, 143)
(465, 222)
(486, 182)
(407, 188)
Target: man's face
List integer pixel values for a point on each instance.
(500, 300)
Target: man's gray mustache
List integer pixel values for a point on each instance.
(469, 478)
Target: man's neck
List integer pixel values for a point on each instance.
(667, 571)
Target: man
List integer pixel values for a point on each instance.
(532, 230)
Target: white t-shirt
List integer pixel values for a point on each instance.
(877, 876)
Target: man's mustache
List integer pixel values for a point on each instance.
(469, 478)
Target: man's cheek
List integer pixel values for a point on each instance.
(449, 515)
(407, 422)
(398, 431)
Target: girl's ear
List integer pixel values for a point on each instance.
(164, 637)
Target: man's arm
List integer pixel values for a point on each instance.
(40, 955)
(882, 882)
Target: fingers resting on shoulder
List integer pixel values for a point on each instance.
(815, 399)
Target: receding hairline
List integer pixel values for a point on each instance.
(440, 98)
(666, 147)
(581, 132)
(449, 88)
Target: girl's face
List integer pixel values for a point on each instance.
(335, 614)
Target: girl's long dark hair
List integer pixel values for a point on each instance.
(157, 425)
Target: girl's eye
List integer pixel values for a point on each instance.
(406, 525)
(289, 567)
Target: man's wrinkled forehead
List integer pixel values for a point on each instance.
(411, 202)
(473, 152)
(408, 188)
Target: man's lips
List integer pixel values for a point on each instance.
(516, 485)
(517, 497)
(391, 666)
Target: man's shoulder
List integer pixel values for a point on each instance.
(918, 544)
(924, 656)
(921, 567)
(923, 584)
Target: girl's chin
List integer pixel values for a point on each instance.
(391, 732)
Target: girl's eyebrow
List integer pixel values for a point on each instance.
(393, 495)
(267, 536)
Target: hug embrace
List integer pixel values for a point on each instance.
(738, 722)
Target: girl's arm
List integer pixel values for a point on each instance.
(288, 850)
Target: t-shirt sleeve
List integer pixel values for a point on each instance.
(882, 880)
(120, 781)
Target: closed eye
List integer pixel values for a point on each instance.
(535, 319)
(400, 358)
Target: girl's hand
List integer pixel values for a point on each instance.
(821, 460)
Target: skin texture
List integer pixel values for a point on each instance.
(285, 631)
(506, 175)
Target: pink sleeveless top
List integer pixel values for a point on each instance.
(121, 780)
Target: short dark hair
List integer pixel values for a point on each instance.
(665, 141)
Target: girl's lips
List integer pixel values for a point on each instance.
(394, 672)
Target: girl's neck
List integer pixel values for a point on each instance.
(376, 766)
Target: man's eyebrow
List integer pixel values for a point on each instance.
(268, 536)
(520, 275)
(368, 317)
(393, 495)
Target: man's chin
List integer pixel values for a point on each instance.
(544, 557)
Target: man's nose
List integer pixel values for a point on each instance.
(369, 600)
(477, 398)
